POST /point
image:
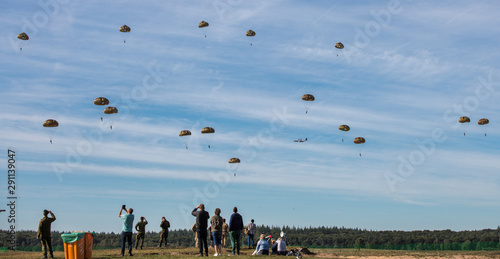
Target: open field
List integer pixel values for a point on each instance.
(245, 253)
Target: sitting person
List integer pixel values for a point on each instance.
(281, 247)
(274, 247)
(262, 246)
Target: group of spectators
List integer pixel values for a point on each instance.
(216, 230)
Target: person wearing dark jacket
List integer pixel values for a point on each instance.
(202, 217)
(235, 227)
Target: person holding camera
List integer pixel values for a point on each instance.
(128, 221)
(202, 217)
(43, 233)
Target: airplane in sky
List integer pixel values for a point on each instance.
(300, 140)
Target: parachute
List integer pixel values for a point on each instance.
(484, 124)
(210, 131)
(234, 160)
(203, 24)
(307, 98)
(250, 33)
(101, 101)
(23, 36)
(184, 133)
(464, 120)
(344, 129)
(359, 140)
(207, 130)
(483, 121)
(125, 29)
(51, 123)
(110, 110)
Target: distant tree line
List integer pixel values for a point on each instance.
(312, 237)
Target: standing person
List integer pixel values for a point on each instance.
(251, 233)
(195, 235)
(164, 231)
(43, 233)
(202, 217)
(216, 224)
(140, 227)
(225, 232)
(128, 221)
(235, 227)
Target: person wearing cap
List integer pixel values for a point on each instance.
(202, 217)
(140, 227)
(251, 233)
(43, 233)
(128, 221)
(164, 231)
(225, 232)
(235, 227)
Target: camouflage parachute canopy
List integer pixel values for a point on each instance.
(101, 101)
(203, 24)
(339, 45)
(125, 28)
(184, 133)
(344, 128)
(234, 160)
(308, 97)
(50, 123)
(359, 140)
(250, 33)
(110, 110)
(483, 121)
(23, 36)
(207, 130)
(464, 119)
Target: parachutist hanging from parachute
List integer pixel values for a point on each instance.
(203, 24)
(22, 36)
(125, 29)
(344, 128)
(101, 101)
(307, 98)
(359, 140)
(183, 134)
(339, 46)
(250, 33)
(465, 121)
(208, 130)
(51, 123)
(483, 122)
(109, 111)
(234, 160)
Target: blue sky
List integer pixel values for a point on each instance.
(408, 71)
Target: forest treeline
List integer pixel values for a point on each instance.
(312, 237)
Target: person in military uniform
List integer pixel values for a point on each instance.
(43, 233)
(225, 233)
(164, 231)
(140, 227)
